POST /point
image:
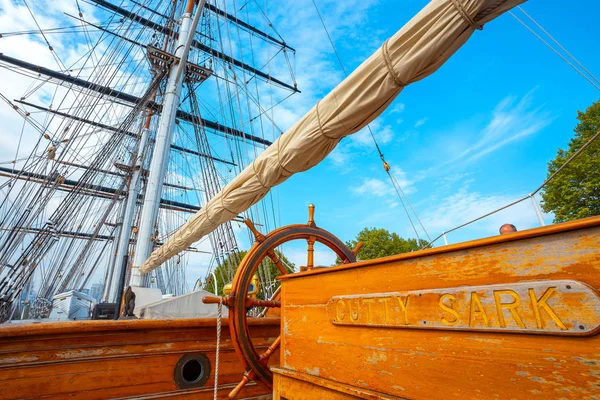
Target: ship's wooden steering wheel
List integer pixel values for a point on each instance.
(239, 303)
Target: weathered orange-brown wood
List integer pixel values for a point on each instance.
(288, 384)
(119, 359)
(439, 363)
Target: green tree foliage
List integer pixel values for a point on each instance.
(269, 271)
(381, 242)
(575, 192)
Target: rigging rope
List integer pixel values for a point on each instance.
(577, 153)
(102, 53)
(593, 81)
(558, 44)
(386, 165)
(31, 164)
(219, 314)
(56, 58)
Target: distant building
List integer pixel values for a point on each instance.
(96, 291)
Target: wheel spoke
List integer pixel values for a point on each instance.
(310, 262)
(274, 296)
(259, 237)
(273, 256)
(262, 303)
(248, 376)
(225, 300)
(357, 248)
(264, 358)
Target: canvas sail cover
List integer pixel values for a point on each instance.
(414, 52)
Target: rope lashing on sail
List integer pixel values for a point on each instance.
(466, 16)
(226, 209)
(257, 178)
(388, 62)
(320, 125)
(279, 160)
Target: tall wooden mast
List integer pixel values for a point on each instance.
(158, 164)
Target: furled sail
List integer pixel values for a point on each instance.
(413, 53)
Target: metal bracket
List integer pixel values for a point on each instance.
(161, 61)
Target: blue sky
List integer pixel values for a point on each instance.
(472, 137)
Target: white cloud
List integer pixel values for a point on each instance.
(448, 181)
(377, 188)
(421, 122)
(465, 205)
(512, 119)
(397, 108)
(341, 158)
(373, 187)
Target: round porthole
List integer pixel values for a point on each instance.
(192, 371)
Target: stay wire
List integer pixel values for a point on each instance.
(569, 160)
(404, 206)
(19, 144)
(556, 52)
(386, 166)
(558, 44)
(57, 59)
(411, 207)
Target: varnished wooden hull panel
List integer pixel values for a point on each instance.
(442, 364)
(118, 359)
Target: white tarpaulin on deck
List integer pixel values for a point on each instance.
(188, 305)
(413, 53)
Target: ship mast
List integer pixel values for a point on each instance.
(113, 284)
(125, 164)
(158, 163)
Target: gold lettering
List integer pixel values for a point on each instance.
(369, 311)
(403, 305)
(511, 307)
(538, 304)
(387, 313)
(477, 310)
(340, 312)
(355, 316)
(448, 309)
